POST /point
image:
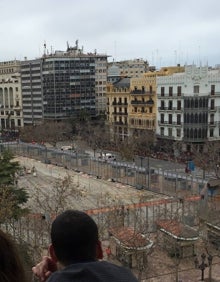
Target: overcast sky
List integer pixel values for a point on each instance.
(162, 32)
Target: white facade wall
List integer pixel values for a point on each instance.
(11, 114)
(198, 85)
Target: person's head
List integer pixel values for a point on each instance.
(74, 237)
(11, 268)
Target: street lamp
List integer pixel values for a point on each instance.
(202, 265)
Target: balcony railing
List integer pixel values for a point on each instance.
(142, 92)
(120, 113)
(135, 102)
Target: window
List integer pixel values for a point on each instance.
(162, 91)
(170, 132)
(211, 132)
(196, 89)
(178, 105)
(170, 105)
(162, 118)
(212, 119)
(213, 89)
(162, 131)
(212, 106)
(162, 105)
(150, 110)
(178, 132)
(179, 90)
(170, 91)
(170, 119)
(178, 119)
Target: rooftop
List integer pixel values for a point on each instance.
(178, 230)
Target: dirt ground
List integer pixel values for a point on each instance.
(160, 266)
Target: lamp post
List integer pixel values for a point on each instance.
(140, 172)
(202, 265)
(148, 168)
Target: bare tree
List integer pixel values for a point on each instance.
(50, 132)
(208, 159)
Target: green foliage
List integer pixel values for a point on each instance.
(11, 197)
(8, 168)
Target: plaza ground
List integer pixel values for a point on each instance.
(161, 267)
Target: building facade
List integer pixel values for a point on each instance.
(131, 68)
(142, 115)
(118, 103)
(32, 91)
(189, 105)
(63, 85)
(11, 111)
(132, 103)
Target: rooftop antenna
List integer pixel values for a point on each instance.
(77, 41)
(45, 48)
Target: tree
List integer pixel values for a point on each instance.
(208, 159)
(50, 132)
(11, 197)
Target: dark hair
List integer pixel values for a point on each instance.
(74, 236)
(11, 268)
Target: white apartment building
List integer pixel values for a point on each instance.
(11, 114)
(189, 105)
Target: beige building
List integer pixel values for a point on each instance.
(10, 96)
(131, 68)
(118, 103)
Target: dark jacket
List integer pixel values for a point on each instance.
(97, 271)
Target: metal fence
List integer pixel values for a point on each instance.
(141, 177)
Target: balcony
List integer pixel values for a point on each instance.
(142, 92)
(136, 102)
(120, 113)
(119, 123)
(119, 104)
(138, 92)
(192, 140)
(213, 109)
(174, 123)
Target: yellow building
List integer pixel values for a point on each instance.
(142, 115)
(132, 103)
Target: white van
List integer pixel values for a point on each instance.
(65, 148)
(107, 157)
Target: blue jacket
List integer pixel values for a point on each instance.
(96, 271)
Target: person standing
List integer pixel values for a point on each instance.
(76, 253)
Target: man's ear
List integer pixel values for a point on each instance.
(52, 253)
(99, 251)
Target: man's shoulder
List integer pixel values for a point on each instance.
(94, 271)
